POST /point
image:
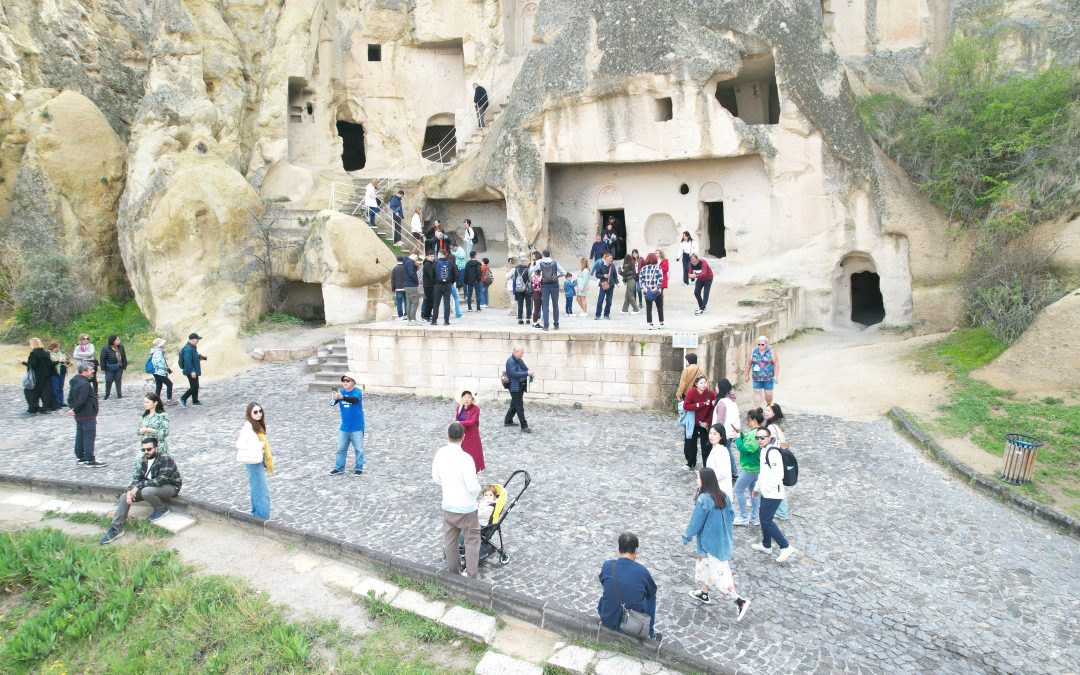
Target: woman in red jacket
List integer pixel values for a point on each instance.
(469, 416)
(702, 275)
(700, 401)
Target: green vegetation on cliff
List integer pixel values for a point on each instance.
(110, 317)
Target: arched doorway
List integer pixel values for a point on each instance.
(857, 291)
(609, 206)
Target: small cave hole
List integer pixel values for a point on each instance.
(684, 189)
(663, 109)
(374, 52)
(867, 306)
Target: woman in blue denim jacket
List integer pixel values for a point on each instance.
(711, 524)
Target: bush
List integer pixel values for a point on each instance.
(11, 271)
(49, 291)
(1006, 286)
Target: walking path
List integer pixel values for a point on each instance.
(899, 567)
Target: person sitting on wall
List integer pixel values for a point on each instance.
(155, 481)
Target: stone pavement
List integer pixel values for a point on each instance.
(899, 567)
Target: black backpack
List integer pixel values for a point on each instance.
(549, 273)
(791, 465)
(180, 359)
(442, 271)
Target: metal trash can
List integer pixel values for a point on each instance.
(1019, 464)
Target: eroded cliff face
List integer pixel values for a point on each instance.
(734, 121)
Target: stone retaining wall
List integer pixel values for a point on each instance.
(595, 369)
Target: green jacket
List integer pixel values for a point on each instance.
(749, 452)
(162, 472)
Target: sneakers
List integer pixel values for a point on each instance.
(537, 325)
(81, 462)
(94, 464)
(509, 424)
(758, 546)
(785, 553)
(697, 311)
(196, 403)
(336, 472)
(520, 322)
(651, 327)
(635, 311)
(740, 521)
(526, 430)
(741, 605)
(159, 514)
(703, 597)
(623, 311)
(183, 402)
(661, 325)
(111, 536)
(358, 472)
(597, 318)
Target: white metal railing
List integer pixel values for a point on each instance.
(445, 151)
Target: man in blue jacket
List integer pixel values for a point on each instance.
(519, 375)
(625, 579)
(412, 288)
(398, 212)
(191, 366)
(350, 403)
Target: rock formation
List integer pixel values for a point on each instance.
(734, 121)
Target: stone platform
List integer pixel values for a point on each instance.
(615, 363)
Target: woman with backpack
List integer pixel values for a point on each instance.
(652, 280)
(770, 486)
(39, 368)
(522, 282)
(710, 524)
(158, 367)
(114, 363)
(774, 417)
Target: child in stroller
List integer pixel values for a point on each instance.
(491, 511)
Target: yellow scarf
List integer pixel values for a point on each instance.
(268, 461)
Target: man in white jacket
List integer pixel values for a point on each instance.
(453, 469)
(770, 485)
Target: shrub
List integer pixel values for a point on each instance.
(11, 271)
(49, 291)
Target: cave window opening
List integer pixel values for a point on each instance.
(374, 52)
(867, 306)
(440, 143)
(353, 154)
(302, 300)
(663, 109)
(310, 110)
(684, 189)
(726, 97)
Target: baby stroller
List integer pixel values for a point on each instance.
(503, 506)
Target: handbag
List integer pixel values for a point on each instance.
(633, 622)
(29, 380)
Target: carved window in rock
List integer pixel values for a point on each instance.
(752, 95)
(440, 139)
(353, 148)
(663, 111)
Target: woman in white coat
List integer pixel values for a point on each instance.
(253, 451)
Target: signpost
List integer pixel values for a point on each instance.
(684, 341)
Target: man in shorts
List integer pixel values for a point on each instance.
(763, 366)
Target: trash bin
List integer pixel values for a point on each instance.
(1019, 461)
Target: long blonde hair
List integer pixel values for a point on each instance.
(35, 343)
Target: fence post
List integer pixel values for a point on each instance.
(332, 185)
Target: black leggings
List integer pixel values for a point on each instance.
(163, 380)
(114, 377)
(700, 436)
(659, 301)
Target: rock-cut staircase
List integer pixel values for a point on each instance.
(328, 365)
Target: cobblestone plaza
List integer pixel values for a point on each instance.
(899, 567)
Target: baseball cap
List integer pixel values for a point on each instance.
(194, 336)
(348, 376)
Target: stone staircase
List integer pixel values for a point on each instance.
(467, 146)
(328, 365)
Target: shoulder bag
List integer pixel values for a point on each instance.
(633, 622)
(29, 380)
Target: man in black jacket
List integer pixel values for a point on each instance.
(428, 275)
(83, 406)
(519, 375)
(480, 100)
(156, 481)
(606, 275)
(397, 285)
(445, 273)
(473, 279)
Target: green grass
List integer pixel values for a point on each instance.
(109, 317)
(138, 527)
(72, 605)
(984, 414)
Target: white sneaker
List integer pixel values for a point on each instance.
(757, 546)
(661, 326)
(635, 311)
(651, 327)
(697, 311)
(740, 521)
(623, 311)
(785, 553)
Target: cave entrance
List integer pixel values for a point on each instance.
(867, 306)
(440, 139)
(353, 154)
(304, 301)
(714, 214)
(620, 230)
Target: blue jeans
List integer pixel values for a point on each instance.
(357, 440)
(742, 486)
(58, 388)
(399, 302)
(549, 301)
(260, 493)
(781, 511)
(482, 294)
(769, 529)
(372, 210)
(470, 290)
(601, 295)
(569, 305)
(454, 299)
(731, 456)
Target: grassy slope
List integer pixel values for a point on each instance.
(984, 414)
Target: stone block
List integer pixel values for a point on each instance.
(630, 375)
(494, 663)
(383, 590)
(411, 601)
(617, 389)
(610, 663)
(583, 388)
(175, 522)
(558, 386)
(574, 659)
(557, 347)
(470, 622)
(570, 373)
